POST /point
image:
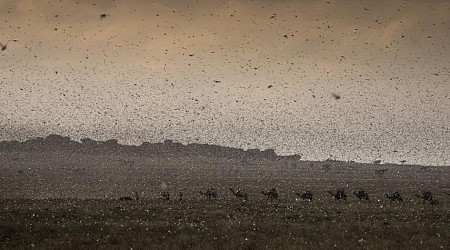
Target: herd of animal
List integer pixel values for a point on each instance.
(272, 194)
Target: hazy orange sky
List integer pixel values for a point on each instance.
(150, 71)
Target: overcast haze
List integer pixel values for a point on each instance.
(247, 74)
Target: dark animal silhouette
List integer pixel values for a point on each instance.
(239, 194)
(434, 202)
(3, 46)
(381, 172)
(339, 195)
(427, 197)
(180, 196)
(165, 196)
(306, 196)
(395, 196)
(209, 193)
(362, 195)
(272, 194)
(128, 198)
(103, 16)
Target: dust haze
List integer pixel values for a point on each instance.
(224, 124)
(156, 70)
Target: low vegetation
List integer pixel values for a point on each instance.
(76, 200)
(221, 224)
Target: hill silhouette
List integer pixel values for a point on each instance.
(55, 142)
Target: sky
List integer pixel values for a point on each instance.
(245, 74)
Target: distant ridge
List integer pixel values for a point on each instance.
(55, 142)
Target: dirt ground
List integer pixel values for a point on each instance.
(59, 199)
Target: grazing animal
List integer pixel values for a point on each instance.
(103, 16)
(381, 172)
(125, 198)
(339, 195)
(165, 196)
(272, 194)
(395, 196)
(427, 196)
(209, 193)
(434, 202)
(180, 196)
(362, 195)
(128, 198)
(239, 194)
(306, 196)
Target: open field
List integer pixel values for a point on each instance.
(61, 200)
(223, 224)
